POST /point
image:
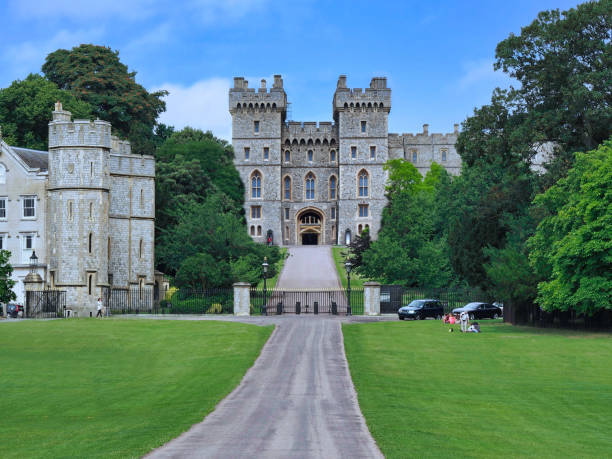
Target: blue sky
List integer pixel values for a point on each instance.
(437, 55)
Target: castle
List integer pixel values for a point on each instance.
(320, 183)
(86, 208)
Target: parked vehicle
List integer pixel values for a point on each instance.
(480, 311)
(14, 310)
(421, 309)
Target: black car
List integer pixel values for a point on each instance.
(421, 309)
(480, 311)
(14, 310)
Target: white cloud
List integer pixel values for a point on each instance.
(202, 105)
(478, 73)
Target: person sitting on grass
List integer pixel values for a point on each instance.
(452, 320)
(474, 328)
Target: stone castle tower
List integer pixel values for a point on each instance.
(100, 211)
(321, 183)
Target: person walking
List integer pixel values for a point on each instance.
(99, 313)
(464, 317)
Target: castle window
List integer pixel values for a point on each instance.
(287, 156)
(256, 185)
(310, 186)
(363, 210)
(332, 187)
(286, 233)
(372, 152)
(333, 213)
(29, 206)
(332, 156)
(252, 230)
(3, 208)
(256, 126)
(90, 243)
(247, 153)
(363, 127)
(287, 189)
(91, 211)
(359, 229)
(255, 211)
(140, 248)
(310, 155)
(91, 168)
(363, 184)
(414, 156)
(266, 153)
(110, 279)
(70, 211)
(353, 152)
(443, 155)
(141, 198)
(286, 213)
(259, 230)
(89, 284)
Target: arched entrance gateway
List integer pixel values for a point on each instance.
(310, 227)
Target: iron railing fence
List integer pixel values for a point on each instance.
(393, 297)
(303, 301)
(45, 304)
(205, 301)
(133, 300)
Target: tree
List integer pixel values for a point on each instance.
(572, 246)
(6, 283)
(358, 246)
(25, 110)
(95, 75)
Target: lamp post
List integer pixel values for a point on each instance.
(265, 274)
(33, 262)
(348, 266)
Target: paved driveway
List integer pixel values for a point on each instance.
(309, 267)
(297, 401)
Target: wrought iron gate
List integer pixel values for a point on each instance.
(332, 301)
(45, 303)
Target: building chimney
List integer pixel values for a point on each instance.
(278, 82)
(456, 126)
(263, 84)
(341, 81)
(426, 129)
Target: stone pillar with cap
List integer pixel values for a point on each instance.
(371, 294)
(242, 299)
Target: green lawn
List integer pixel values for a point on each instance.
(271, 283)
(114, 388)
(508, 392)
(356, 280)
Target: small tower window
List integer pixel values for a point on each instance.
(363, 127)
(372, 152)
(252, 230)
(69, 210)
(332, 156)
(443, 155)
(247, 153)
(287, 156)
(91, 168)
(363, 210)
(287, 189)
(333, 213)
(140, 248)
(363, 184)
(310, 156)
(259, 230)
(256, 185)
(90, 243)
(91, 211)
(353, 152)
(286, 213)
(108, 248)
(256, 126)
(310, 186)
(141, 198)
(332, 187)
(89, 284)
(266, 153)
(414, 156)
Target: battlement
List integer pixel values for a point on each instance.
(78, 133)
(243, 98)
(377, 97)
(120, 146)
(426, 137)
(308, 128)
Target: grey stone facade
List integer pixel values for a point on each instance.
(350, 152)
(96, 219)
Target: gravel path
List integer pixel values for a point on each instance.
(297, 401)
(309, 267)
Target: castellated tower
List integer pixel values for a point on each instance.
(78, 207)
(362, 119)
(257, 117)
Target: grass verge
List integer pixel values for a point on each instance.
(356, 280)
(114, 388)
(508, 392)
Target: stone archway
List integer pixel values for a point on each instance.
(310, 227)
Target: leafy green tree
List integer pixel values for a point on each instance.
(6, 283)
(25, 110)
(572, 246)
(95, 75)
(358, 246)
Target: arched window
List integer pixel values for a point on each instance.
(332, 187)
(287, 156)
(2, 174)
(363, 184)
(310, 156)
(359, 229)
(287, 189)
(90, 242)
(256, 185)
(259, 230)
(332, 156)
(252, 230)
(310, 186)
